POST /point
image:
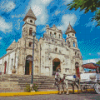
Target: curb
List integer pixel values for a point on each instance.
(36, 93)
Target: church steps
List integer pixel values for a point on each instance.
(42, 87)
(42, 81)
(25, 76)
(20, 81)
(39, 84)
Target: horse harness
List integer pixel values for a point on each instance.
(62, 80)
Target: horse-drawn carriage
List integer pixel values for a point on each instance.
(91, 79)
(85, 81)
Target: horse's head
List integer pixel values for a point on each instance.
(57, 75)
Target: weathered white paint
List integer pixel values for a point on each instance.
(45, 51)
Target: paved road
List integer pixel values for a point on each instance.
(82, 96)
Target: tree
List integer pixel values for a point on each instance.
(98, 62)
(87, 5)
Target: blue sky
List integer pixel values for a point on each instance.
(49, 12)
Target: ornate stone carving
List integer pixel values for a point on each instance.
(60, 51)
(46, 66)
(72, 61)
(47, 58)
(66, 56)
(42, 56)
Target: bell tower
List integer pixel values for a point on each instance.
(29, 24)
(71, 39)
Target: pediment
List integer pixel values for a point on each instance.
(55, 28)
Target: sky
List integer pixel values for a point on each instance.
(49, 12)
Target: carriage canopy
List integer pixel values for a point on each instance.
(90, 66)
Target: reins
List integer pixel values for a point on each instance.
(61, 80)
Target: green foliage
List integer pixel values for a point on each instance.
(97, 17)
(35, 87)
(27, 88)
(87, 5)
(98, 62)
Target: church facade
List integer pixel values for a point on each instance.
(50, 52)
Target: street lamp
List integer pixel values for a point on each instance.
(34, 34)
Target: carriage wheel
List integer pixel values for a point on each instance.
(97, 88)
(81, 86)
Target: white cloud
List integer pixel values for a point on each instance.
(57, 12)
(90, 61)
(43, 29)
(0, 38)
(7, 6)
(4, 26)
(39, 9)
(17, 25)
(65, 21)
(98, 53)
(18, 16)
(67, 1)
(91, 24)
(89, 53)
(46, 2)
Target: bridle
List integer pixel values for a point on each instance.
(60, 80)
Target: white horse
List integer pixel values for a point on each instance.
(62, 81)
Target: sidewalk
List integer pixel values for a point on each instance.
(40, 92)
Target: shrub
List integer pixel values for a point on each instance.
(27, 88)
(35, 87)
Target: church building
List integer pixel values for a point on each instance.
(50, 52)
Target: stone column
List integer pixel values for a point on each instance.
(20, 63)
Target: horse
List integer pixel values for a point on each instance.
(63, 80)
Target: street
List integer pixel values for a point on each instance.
(81, 96)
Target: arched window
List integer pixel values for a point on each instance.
(30, 31)
(54, 35)
(50, 33)
(75, 53)
(31, 21)
(12, 62)
(68, 44)
(56, 49)
(73, 44)
(30, 44)
(5, 66)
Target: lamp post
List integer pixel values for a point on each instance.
(34, 34)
